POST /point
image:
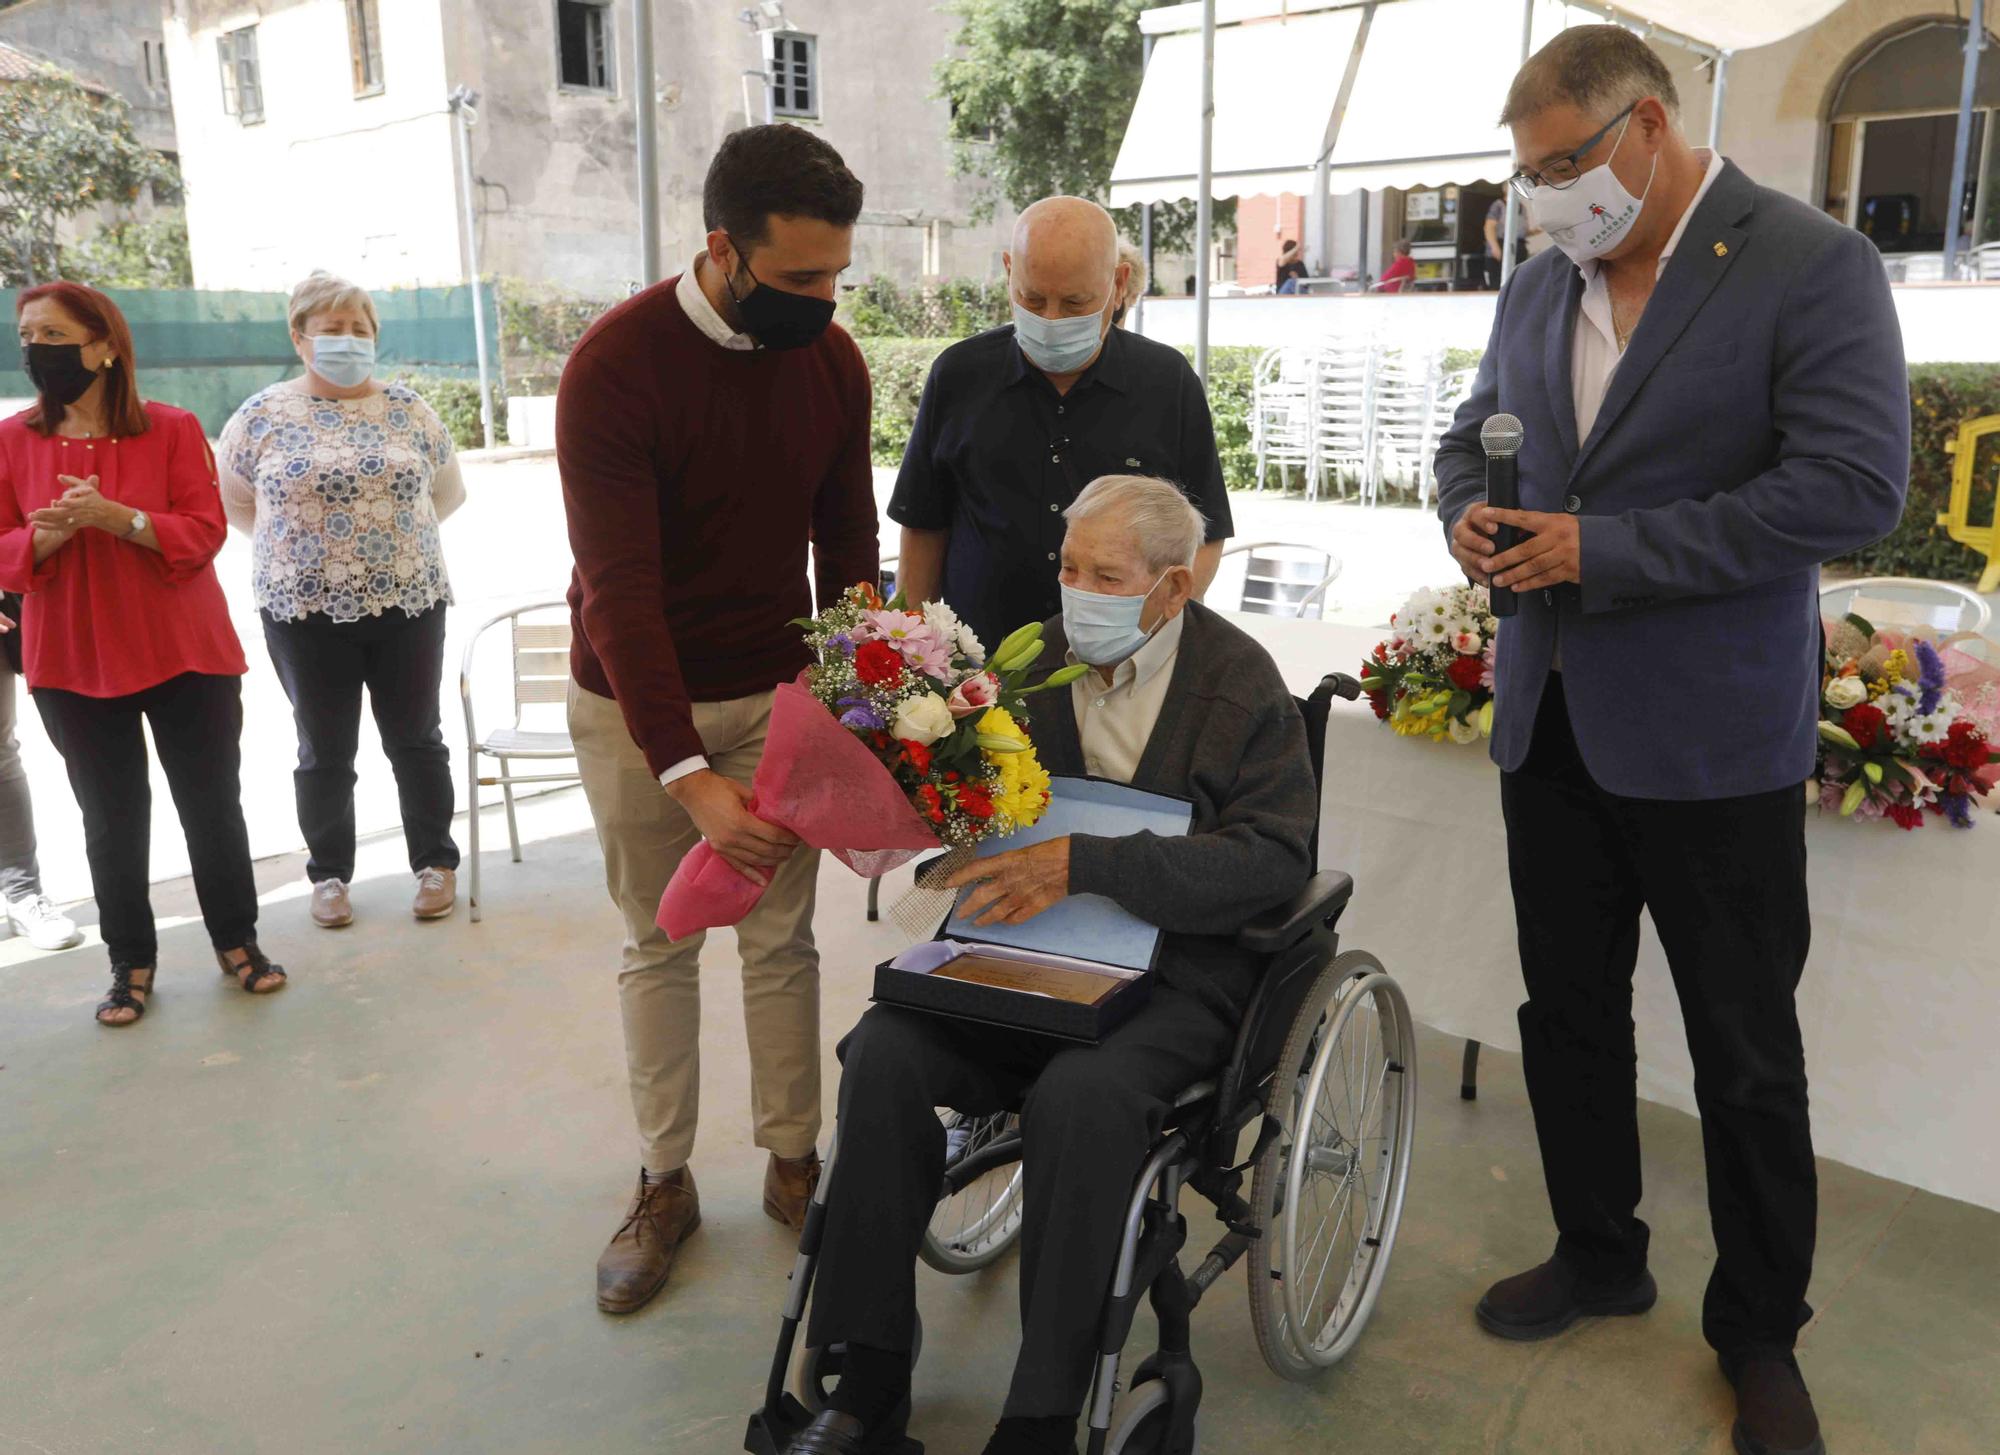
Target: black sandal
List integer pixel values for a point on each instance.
(125, 995)
(259, 965)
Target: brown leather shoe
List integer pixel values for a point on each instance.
(437, 892)
(788, 1187)
(1774, 1411)
(635, 1263)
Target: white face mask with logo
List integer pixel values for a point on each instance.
(1591, 216)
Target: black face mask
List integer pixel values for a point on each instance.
(57, 371)
(777, 319)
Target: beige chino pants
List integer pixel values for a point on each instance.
(645, 834)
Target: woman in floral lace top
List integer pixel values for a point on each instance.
(341, 482)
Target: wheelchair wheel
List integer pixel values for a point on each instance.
(1329, 1190)
(1140, 1425)
(973, 1226)
(819, 1370)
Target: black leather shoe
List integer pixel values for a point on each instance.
(1774, 1410)
(1542, 1302)
(834, 1433)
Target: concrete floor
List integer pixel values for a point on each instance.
(362, 1216)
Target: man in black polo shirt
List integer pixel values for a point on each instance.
(1017, 420)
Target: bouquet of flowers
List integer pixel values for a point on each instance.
(1896, 739)
(1434, 677)
(904, 737)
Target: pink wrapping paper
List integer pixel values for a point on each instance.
(820, 781)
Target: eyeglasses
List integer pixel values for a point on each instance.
(1564, 171)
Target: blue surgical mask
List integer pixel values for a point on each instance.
(1057, 345)
(1104, 630)
(343, 359)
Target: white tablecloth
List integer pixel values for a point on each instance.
(1900, 1005)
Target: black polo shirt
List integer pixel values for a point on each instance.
(997, 455)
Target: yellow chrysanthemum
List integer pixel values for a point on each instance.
(1420, 724)
(1021, 783)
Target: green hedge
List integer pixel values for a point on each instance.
(457, 404)
(1942, 397)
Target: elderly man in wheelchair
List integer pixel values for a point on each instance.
(1081, 1150)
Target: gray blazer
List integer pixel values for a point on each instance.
(1231, 739)
(1758, 424)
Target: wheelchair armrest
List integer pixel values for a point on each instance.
(1279, 928)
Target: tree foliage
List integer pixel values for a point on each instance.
(1040, 93)
(64, 149)
(149, 254)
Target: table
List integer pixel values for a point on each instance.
(1900, 1005)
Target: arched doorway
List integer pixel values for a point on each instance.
(1891, 126)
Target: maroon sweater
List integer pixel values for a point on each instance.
(695, 477)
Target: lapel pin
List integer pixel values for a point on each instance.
(1722, 250)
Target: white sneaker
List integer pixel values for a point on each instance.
(46, 927)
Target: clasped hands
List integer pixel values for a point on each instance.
(1550, 555)
(81, 506)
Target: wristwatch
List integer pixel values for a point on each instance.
(140, 520)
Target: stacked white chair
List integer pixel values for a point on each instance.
(1405, 396)
(1281, 411)
(1343, 418)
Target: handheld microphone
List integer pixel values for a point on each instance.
(1500, 437)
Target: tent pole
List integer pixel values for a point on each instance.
(1512, 230)
(1975, 31)
(644, 118)
(1204, 206)
(1715, 102)
(1145, 230)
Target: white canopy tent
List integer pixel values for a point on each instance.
(1317, 97)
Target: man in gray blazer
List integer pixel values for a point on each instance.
(1710, 381)
(1178, 702)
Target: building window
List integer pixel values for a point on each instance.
(1891, 132)
(583, 43)
(794, 73)
(364, 47)
(242, 87)
(156, 65)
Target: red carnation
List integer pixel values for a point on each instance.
(975, 802)
(933, 805)
(1466, 672)
(1965, 746)
(1906, 815)
(878, 664)
(1865, 724)
(1380, 702)
(915, 754)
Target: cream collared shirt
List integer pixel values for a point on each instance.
(701, 313)
(1115, 721)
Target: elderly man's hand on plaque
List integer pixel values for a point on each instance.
(1015, 886)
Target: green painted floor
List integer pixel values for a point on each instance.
(362, 1216)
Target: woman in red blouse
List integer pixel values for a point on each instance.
(110, 518)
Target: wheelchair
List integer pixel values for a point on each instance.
(1324, 1067)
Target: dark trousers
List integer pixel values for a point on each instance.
(197, 724)
(324, 665)
(1088, 1117)
(1725, 883)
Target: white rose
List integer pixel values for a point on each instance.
(1846, 692)
(1462, 732)
(923, 720)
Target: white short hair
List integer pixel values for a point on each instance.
(1168, 527)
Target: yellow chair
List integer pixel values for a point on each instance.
(1964, 451)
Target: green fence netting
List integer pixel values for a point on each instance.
(209, 351)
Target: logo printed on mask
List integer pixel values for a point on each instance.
(1597, 197)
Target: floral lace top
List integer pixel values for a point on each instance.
(342, 498)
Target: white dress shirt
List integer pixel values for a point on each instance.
(1115, 721)
(1596, 353)
(701, 313)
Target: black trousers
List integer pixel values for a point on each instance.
(1088, 1117)
(324, 665)
(1725, 883)
(197, 724)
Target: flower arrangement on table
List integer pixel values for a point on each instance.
(1434, 678)
(1897, 740)
(904, 736)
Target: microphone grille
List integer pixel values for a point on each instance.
(1500, 435)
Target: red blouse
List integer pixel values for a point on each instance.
(101, 616)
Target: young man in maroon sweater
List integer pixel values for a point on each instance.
(709, 431)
